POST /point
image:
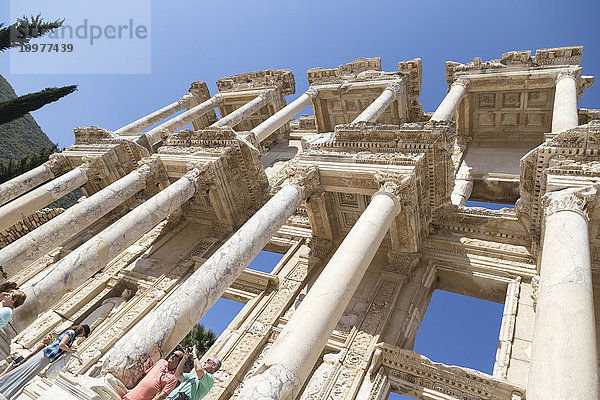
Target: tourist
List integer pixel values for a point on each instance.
(195, 386)
(11, 301)
(19, 361)
(160, 380)
(6, 288)
(15, 380)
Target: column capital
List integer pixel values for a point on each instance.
(200, 175)
(575, 200)
(312, 92)
(573, 73)
(395, 87)
(391, 184)
(57, 163)
(152, 168)
(402, 263)
(185, 100)
(306, 178)
(464, 82)
(319, 247)
(93, 167)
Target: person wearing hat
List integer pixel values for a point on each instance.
(12, 383)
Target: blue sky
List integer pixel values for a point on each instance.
(192, 40)
(207, 40)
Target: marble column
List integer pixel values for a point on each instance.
(31, 179)
(564, 113)
(46, 288)
(58, 230)
(564, 353)
(246, 110)
(157, 134)
(162, 329)
(277, 120)
(462, 192)
(290, 361)
(157, 116)
(447, 108)
(378, 107)
(26, 205)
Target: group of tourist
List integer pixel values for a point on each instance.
(160, 381)
(22, 370)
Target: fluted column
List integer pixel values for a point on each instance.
(277, 120)
(58, 230)
(448, 107)
(564, 353)
(564, 113)
(162, 329)
(26, 205)
(297, 348)
(378, 107)
(31, 179)
(46, 288)
(157, 116)
(246, 110)
(157, 134)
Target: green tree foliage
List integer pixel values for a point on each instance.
(16, 108)
(25, 29)
(200, 337)
(13, 168)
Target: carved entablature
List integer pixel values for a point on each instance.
(237, 186)
(280, 79)
(514, 94)
(569, 160)
(413, 374)
(344, 92)
(347, 71)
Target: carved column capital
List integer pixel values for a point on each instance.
(306, 178)
(573, 73)
(575, 200)
(461, 82)
(391, 184)
(319, 247)
(185, 100)
(57, 163)
(151, 168)
(312, 92)
(200, 175)
(402, 263)
(93, 167)
(395, 87)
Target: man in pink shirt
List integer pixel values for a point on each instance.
(160, 380)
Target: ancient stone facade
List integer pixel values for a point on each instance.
(366, 200)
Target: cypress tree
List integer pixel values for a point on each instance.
(25, 29)
(16, 108)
